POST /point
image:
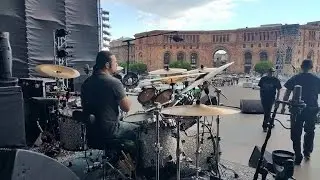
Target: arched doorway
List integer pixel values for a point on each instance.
(288, 57)
(181, 56)
(194, 59)
(263, 56)
(166, 58)
(247, 62)
(220, 57)
(311, 55)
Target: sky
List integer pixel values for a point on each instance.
(128, 17)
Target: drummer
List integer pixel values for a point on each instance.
(102, 95)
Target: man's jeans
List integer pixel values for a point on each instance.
(306, 120)
(267, 104)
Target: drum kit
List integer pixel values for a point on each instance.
(166, 113)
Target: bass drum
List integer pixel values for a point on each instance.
(148, 154)
(147, 96)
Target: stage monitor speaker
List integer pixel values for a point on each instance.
(17, 164)
(267, 160)
(12, 122)
(251, 106)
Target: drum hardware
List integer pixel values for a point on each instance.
(196, 110)
(206, 77)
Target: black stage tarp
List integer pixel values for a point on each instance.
(82, 21)
(12, 20)
(31, 24)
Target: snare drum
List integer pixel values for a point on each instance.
(164, 96)
(147, 96)
(139, 118)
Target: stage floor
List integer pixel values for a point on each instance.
(241, 132)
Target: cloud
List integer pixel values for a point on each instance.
(183, 14)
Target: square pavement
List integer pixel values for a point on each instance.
(240, 133)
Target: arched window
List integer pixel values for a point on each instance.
(310, 55)
(263, 56)
(248, 58)
(288, 58)
(166, 58)
(180, 56)
(194, 59)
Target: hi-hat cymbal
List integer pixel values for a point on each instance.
(198, 110)
(57, 71)
(169, 71)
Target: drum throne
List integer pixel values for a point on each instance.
(115, 155)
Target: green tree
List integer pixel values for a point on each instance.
(180, 64)
(136, 67)
(263, 67)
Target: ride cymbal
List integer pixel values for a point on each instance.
(169, 71)
(198, 110)
(57, 71)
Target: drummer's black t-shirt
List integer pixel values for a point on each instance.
(100, 95)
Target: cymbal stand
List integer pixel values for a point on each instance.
(198, 151)
(157, 144)
(178, 151)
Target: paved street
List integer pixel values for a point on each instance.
(241, 132)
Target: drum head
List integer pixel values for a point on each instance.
(164, 96)
(147, 96)
(137, 118)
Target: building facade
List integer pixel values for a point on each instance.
(245, 47)
(120, 50)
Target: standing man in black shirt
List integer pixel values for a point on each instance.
(102, 95)
(307, 118)
(269, 85)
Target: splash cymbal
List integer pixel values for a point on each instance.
(197, 110)
(169, 71)
(57, 71)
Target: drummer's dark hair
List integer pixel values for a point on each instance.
(102, 58)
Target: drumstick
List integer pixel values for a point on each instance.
(127, 161)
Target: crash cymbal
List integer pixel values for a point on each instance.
(200, 70)
(206, 77)
(57, 71)
(169, 71)
(176, 79)
(197, 110)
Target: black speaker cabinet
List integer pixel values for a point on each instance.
(12, 122)
(251, 106)
(267, 159)
(17, 164)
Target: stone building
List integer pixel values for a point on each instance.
(245, 47)
(120, 50)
